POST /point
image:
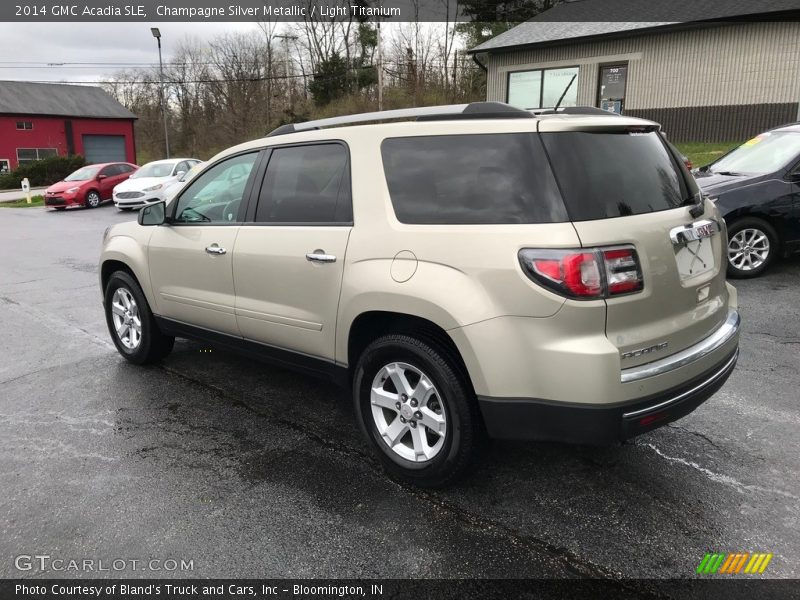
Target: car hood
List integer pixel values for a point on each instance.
(63, 186)
(141, 183)
(714, 183)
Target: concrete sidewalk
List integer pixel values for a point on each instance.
(12, 195)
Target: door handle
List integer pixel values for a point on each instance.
(215, 249)
(320, 256)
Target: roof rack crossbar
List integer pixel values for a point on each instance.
(473, 110)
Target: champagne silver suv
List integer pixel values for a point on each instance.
(464, 270)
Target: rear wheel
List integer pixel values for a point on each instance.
(416, 410)
(92, 199)
(131, 324)
(752, 246)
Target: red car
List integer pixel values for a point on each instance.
(88, 186)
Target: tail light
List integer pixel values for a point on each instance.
(587, 273)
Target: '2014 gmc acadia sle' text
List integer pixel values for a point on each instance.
(469, 270)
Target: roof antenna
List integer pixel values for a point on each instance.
(566, 89)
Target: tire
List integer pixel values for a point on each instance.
(152, 345)
(439, 459)
(93, 199)
(752, 246)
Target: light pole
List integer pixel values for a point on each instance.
(157, 34)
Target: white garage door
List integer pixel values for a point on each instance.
(104, 148)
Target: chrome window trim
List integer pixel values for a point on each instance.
(680, 359)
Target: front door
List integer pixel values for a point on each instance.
(191, 257)
(611, 87)
(289, 259)
(106, 180)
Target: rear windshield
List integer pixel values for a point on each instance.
(604, 175)
(471, 179)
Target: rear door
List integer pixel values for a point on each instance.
(621, 185)
(289, 256)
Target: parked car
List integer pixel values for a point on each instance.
(88, 186)
(148, 184)
(172, 189)
(553, 277)
(756, 188)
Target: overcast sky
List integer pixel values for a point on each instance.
(91, 42)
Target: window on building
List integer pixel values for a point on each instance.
(27, 155)
(5, 165)
(541, 88)
(24, 124)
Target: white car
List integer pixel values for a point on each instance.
(172, 189)
(150, 182)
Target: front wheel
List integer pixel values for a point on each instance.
(752, 246)
(92, 199)
(131, 324)
(416, 410)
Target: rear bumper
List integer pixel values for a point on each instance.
(530, 419)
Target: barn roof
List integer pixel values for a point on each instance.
(56, 99)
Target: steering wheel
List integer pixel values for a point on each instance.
(231, 210)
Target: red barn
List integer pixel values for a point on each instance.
(38, 120)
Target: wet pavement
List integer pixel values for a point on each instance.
(252, 471)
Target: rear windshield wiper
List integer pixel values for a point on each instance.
(696, 202)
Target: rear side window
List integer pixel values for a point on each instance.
(306, 184)
(471, 179)
(604, 174)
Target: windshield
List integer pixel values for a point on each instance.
(84, 174)
(763, 154)
(154, 170)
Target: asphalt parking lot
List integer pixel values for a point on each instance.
(251, 471)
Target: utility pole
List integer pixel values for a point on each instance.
(380, 68)
(287, 81)
(157, 34)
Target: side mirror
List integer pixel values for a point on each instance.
(180, 174)
(101, 177)
(153, 214)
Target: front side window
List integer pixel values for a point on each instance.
(542, 88)
(110, 171)
(306, 184)
(471, 179)
(216, 195)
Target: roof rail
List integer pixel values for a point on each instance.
(475, 110)
(575, 110)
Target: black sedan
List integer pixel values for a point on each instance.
(757, 189)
